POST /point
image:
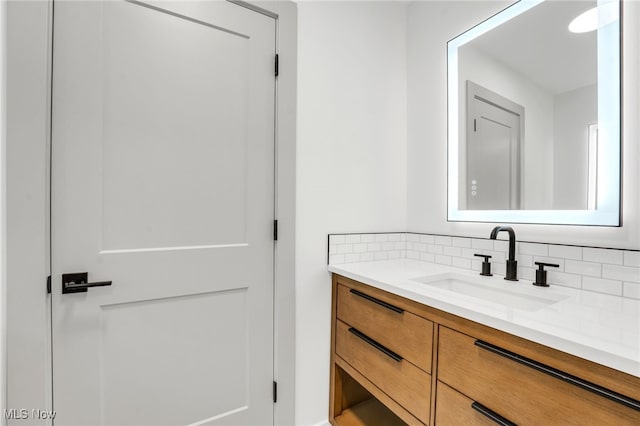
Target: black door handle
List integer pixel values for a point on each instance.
(77, 283)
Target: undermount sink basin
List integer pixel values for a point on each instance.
(501, 294)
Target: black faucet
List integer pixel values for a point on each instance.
(512, 263)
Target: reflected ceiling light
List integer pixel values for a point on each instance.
(594, 18)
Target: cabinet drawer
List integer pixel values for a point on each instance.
(407, 334)
(455, 409)
(405, 383)
(519, 392)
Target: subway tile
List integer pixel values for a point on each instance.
(602, 255)
(583, 268)
(403, 254)
(427, 239)
(525, 260)
(352, 257)
(602, 285)
(452, 251)
(428, 257)
(553, 260)
(476, 265)
(333, 249)
(352, 239)
(631, 290)
(624, 273)
(443, 260)
(632, 258)
(381, 238)
(367, 238)
(443, 241)
(412, 254)
(420, 247)
(482, 244)
(496, 256)
(499, 245)
(388, 245)
(337, 239)
(394, 237)
(413, 237)
(499, 268)
(468, 253)
(360, 248)
(435, 249)
(380, 255)
(403, 237)
(393, 254)
(336, 259)
(461, 262)
(533, 249)
(564, 279)
(374, 246)
(345, 248)
(461, 242)
(527, 274)
(565, 252)
(367, 257)
(400, 245)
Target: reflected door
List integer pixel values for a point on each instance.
(493, 152)
(162, 182)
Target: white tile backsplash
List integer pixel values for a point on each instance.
(631, 290)
(591, 269)
(625, 273)
(566, 252)
(632, 258)
(602, 255)
(602, 285)
(461, 242)
(610, 271)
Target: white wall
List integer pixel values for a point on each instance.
(351, 159)
(573, 112)
(430, 25)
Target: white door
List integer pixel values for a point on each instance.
(493, 151)
(163, 183)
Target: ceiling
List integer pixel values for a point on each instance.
(538, 44)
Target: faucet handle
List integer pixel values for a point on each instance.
(541, 274)
(486, 265)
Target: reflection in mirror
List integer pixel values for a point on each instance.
(534, 115)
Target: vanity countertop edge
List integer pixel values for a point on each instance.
(598, 327)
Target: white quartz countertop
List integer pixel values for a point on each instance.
(598, 327)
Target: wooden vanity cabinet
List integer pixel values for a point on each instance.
(396, 361)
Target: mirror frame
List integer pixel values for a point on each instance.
(608, 211)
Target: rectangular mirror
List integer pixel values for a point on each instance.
(534, 115)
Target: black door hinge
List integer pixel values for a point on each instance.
(49, 284)
(474, 125)
(275, 230)
(276, 65)
(275, 391)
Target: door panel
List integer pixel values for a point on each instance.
(162, 181)
(493, 158)
(157, 115)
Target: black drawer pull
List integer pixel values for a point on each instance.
(378, 346)
(377, 301)
(561, 375)
(491, 414)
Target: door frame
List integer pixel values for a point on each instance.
(28, 306)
